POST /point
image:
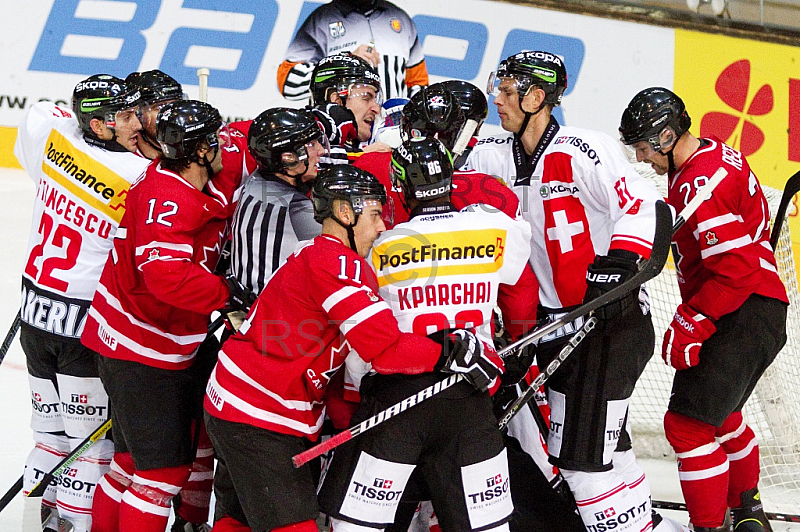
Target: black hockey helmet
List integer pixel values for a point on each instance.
(649, 113)
(423, 169)
(101, 96)
(433, 112)
(340, 73)
(532, 69)
(344, 182)
(278, 137)
(470, 98)
(155, 86)
(183, 125)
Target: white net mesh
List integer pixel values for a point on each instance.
(773, 411)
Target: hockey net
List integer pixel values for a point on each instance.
(773, 410)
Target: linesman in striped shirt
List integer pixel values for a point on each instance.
(274, 212)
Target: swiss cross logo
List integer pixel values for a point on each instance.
(37, 397)
(605, 514)
(72, 473)
(494, 481)
(733, 88)
(382, 483)
(80, 398)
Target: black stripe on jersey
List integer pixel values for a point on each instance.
(265, 227)
(278, 240)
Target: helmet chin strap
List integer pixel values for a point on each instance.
(528, 116)
(149, 142)
(206, 163)
(351, 235)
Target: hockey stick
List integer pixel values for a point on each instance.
(772, 516)
(647, 270)
(40, 487)
(12, 332)
(202, 85)
(792, 187)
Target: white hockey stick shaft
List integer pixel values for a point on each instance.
(464, 137)
(202, 84)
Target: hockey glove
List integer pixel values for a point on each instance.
(518, 365)
(606, 273)
(241, 298)
(463, 352)
(684, 337)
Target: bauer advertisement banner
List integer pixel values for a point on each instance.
(48, 46)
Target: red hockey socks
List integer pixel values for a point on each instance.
(195, 496)
(146, 504)
(702, 469)
(739, 442)
(108, 493)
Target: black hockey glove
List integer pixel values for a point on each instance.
(606, 273)
(241, 298)
(517, 365)
(462, 352)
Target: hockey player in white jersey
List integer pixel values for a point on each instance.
(592, 219)
(83, 162)
(442, 270)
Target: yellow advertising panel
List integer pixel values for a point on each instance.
(747, 93)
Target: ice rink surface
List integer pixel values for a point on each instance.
(16, 200)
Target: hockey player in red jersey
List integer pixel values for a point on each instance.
(729, 282)
(265, 396)
(152, 308)
(441, 270)
(83, 162)
(193, 502)
(592, 219)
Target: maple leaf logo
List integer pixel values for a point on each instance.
(733, 88)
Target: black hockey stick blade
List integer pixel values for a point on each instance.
(772, 516)
(792, 187)
(11, 493)
(39, 489)
(648, 269)
(12, 332)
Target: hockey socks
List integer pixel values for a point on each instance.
(702, 469)
(195, 496)
(108, 494)
(739, 443)
(605, 502)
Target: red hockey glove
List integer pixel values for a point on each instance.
(684, 337)
(463, 352)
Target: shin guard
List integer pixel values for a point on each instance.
(739, 443)
(147, 501)
(108, 494)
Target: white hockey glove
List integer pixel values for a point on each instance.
(463, 352)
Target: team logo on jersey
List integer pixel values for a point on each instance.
(711, 238)
(370, 294)
(396, 25)
(544, 191)
(337, 29)
(153, 254)
(605, 514)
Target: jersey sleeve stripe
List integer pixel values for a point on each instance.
(362, 315)
(338, 296)
(716, 221)
(184, 248)
(261, 414)
(116, 305)
(231, 367)
(722, 247)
